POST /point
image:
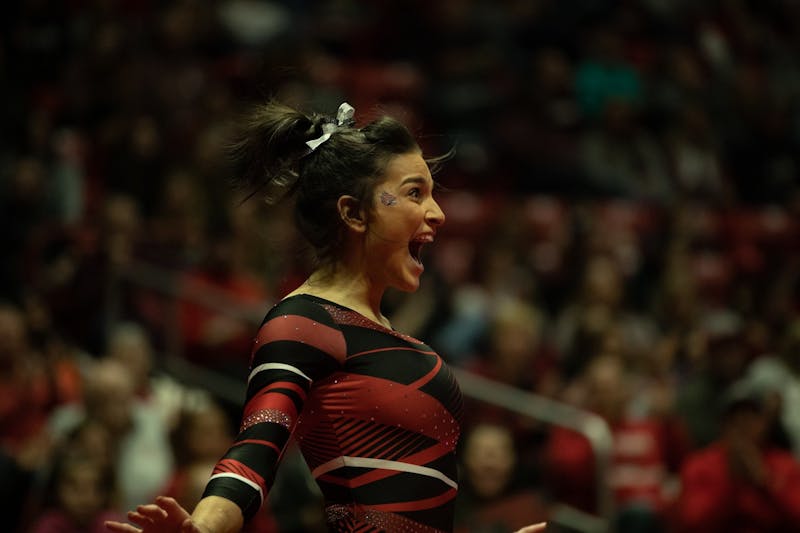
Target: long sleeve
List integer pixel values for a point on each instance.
(297, 345)
(784, 487)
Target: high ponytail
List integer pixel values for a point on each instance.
(272, 160)
(268, 144)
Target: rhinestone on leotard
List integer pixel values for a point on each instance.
(266, 415)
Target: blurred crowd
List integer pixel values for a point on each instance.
(623, 235)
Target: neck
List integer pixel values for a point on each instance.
(346, 286)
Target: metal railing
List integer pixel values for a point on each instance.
(540, 408)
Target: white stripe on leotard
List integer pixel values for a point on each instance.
(384, 464)
(242, 479)
(277, 366)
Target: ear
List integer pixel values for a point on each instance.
(351, 213)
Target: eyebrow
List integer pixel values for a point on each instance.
(414, 179)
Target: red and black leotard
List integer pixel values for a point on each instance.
(375, 413)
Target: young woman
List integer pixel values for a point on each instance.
(375, 412)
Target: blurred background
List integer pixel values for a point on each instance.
(620, 264)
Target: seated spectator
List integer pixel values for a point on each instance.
(142, 448)
(491, 498)
(646, 450)
(780, 374)
(719, 359)
(80, 497)
(80, 492)
(740, 483)
(130, 344)
(622, 159)
(599, 305)
(27, 395)
(517, 354)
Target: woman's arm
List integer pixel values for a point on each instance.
(298, 344)
(217, 515)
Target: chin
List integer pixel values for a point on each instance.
(407, 286)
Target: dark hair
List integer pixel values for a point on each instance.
(272, 159)
(67, 461)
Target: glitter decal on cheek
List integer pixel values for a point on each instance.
(388, 199)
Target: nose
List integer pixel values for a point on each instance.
(434, 215)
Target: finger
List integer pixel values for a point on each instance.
(139, 519)
(152, 511)
(170, 505)
(119, 527)
(176, 513)
(533, 528)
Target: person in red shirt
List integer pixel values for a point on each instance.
(646, 455)
(741, 483)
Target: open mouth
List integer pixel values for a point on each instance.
(415, 249)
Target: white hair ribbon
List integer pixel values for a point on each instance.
(344, 117)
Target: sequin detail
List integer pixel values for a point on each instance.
(349, 317)
(266, 415)
(384, 521)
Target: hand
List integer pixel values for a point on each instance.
(163, 516)
(534, 528)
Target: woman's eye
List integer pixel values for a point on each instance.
(415, 193)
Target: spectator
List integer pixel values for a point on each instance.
(81, 497)
(32, 384)
(130, 345)
(598, 306)
(605, 75)
(622, 159)
(139, 433)
(79, 492)
(780, 374)
(695, 158)
(494, 499)
(26, 389)
(518, 352)
(740, 483)
(646, 452)
(719, 358)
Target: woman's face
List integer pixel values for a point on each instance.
(404, 216)
(81, 492)
(489, 459)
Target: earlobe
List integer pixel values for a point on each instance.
(351, 213)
